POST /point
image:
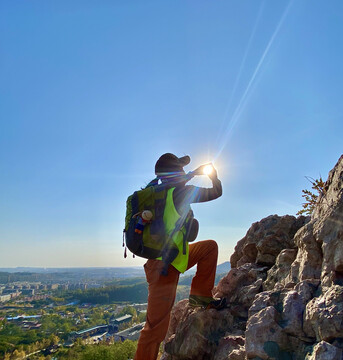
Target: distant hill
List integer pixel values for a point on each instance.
(221, 269)
(224, 267)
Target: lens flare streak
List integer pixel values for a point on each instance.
(242, 103)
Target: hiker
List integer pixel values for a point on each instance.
(162, 286)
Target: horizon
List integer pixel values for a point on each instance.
(92, 94)
(83, 267)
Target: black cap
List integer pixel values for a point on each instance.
(170, 163)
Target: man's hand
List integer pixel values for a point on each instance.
(200, 171)
(213, 175)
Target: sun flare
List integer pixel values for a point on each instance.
(208, 169)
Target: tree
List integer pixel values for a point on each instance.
(54, 340)
(17, 354)
(310, 197)
(128, 310)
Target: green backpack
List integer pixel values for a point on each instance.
(148, 239)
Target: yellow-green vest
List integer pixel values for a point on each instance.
(170, 217)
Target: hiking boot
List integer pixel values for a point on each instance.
(206, 302)
(217, 304)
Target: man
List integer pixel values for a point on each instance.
(163, 284)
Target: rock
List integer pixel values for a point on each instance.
(307, 289)
(279, 272)
(230, 348)
(197, 336)
(265, 239)
(287, 321)
(320, 242)
(292, 314)
(179, 314)
(165, 356)
(264, 300)
(248, 257)
(308, 262)
(325, 351)
(323, 318)
(241, 284)
(328, 226)
(332, 192)
(264, 335)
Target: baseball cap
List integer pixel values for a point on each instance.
(170, 163)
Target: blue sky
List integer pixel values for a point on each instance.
(92, 93)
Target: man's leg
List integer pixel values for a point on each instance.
(205, 255)
(162, 291)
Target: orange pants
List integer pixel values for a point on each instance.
(162, 291)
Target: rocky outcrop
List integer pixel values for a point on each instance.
(265, 239)
(284, 292)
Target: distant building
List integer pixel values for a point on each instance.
(20, 318)
(10, 292)
(121, 320)
(90, 332)
(28, 292)
(30, 325)
(15, 294)
(53, 286)
(4, 298)
(129, 334)
(140, 307)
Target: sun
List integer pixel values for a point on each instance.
(208, 169)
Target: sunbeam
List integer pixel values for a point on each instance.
(240, 70)
(242, 103)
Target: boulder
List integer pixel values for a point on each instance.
(308, 262)
(198, 336)
(323, 318)
(241, 284)
(230, 348)
(265, 299)
(325, 351)
(264, 336)
(265, 239)
(280, 271)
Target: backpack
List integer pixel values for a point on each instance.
(148, 238)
